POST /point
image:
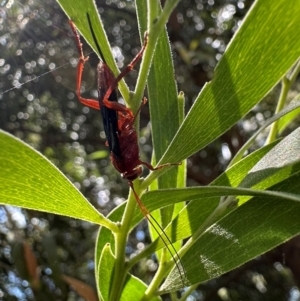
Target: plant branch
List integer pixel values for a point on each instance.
(156, 25)
(120, 271)
(286, 84)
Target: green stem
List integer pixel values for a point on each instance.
(154, 31)
(155, 283)
(295, 72)
(188, 292)
(153, 9)
(286, 84)
(120, 270)
(165, 15)
(110, 225)
(173, 296)
(282, 99)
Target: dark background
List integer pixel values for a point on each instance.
(35, 38)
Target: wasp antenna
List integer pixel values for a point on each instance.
(164, 237)
(94, 37)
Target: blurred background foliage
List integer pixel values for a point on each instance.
(38, 49)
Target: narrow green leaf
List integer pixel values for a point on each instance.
(77, 12)
(164, 197)
(105, 272)
(292, 108)
(135, 289)
(99, 155)
(278, 164)
(31, 181)
(286, 120)
(163, 99)
(133, 286)
(164, 111)
(261, 52)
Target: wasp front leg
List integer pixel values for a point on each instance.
(92, 103)
(115, 81)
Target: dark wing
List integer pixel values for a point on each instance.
(110, 122)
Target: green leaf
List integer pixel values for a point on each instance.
(291, 110)
(162, 91)
(31, 181)
(286, 120)
(99, 155)
(254, 228)
(77, 12)
(196, 212)
(163, 197)
(278, 164)
(261, 52)
(133, 286)
(135, 289)
(164, 111)
(105, 272)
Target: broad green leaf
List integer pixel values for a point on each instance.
(251, 230)
(260, 53)
(31, 181)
